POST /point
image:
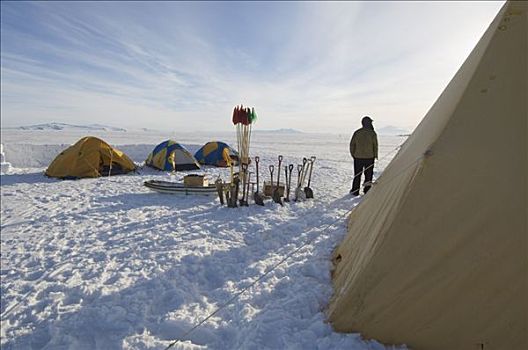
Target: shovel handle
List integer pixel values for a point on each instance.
(305, 169)
(290, 168)
(299, 172)
(279, 171)
(244, 180)
(248, 183)
(271, 168)
(257, 160)
(286, 177)
(311, 168)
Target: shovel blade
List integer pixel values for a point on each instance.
(258, 199)
(308, 192)
(277, 197)
(221, 196)
(299, 195)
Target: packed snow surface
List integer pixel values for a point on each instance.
(107, 263)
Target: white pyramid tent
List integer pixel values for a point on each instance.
(436, 255)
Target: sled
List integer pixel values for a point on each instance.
(180, 188)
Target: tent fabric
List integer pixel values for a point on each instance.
(216, 153)
(436, 254)
(89, 157)
(171, 156)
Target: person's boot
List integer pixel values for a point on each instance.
(366, 187)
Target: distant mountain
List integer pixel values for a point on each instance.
(63, 126)
(147, 130)
(392, 130)
(281, 131)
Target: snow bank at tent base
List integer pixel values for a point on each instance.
(107, 264)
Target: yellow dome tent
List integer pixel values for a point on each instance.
(89, 157)
(436, 255)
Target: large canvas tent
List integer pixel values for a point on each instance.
(171, 156)
(89, 157)
(436, 254)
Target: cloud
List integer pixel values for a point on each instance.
(317, 66)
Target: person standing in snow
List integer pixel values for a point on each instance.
(364, 149)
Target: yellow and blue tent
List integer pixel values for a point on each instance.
(216, 153)
(89, 157)
(171, 156)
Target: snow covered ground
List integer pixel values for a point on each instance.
(108, 264)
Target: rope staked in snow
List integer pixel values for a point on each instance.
(261, 277)
(308, 242)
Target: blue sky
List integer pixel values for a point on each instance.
(314, 66)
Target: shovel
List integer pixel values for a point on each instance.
(286, 190)
(276, 194)
(257, 196)
(247, 188)
(237, 188)
(233, 192)
(307, 190)
(290, 168)
(288, 181)
(271, 167)
(299, 174)
(299, 193)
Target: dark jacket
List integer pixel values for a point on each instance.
(364, 144)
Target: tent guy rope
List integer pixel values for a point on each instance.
(289, 255)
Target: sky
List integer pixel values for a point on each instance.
(311, 66)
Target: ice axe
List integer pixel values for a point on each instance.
(307, 190)
(257, 196)
(276, 193)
